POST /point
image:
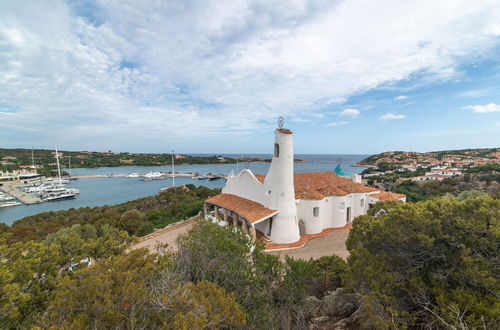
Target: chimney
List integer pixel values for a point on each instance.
(280, 188)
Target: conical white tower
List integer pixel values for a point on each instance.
(280, 187)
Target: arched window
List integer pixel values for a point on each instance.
(276, 150)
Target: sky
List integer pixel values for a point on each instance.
(195, 76)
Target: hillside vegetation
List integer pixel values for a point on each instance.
(402, 157)
(138, 217)
(13, 158)
(425, 265)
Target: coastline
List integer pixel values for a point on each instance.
(110, 186)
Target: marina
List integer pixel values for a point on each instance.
(114, 185)
(12, 188)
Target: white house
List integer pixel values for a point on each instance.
(281, 206)
(445, 171)
(430, 177)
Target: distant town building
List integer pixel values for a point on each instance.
(282, 206)
(25, 173)
(430, 177)
(445, 171)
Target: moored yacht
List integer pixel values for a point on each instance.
(9, 203)
(57, 196)
(153, 176)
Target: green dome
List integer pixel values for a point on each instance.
(339, 171)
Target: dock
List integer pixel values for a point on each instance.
(124, 175)
(11, 188)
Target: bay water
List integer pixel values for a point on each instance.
(115, 190)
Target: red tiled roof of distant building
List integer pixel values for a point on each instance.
(250, 210)
(388, 196)
(318, 185)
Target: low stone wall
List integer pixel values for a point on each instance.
(169, 227)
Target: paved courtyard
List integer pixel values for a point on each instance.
(332, 243)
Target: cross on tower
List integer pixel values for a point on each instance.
(281, 121)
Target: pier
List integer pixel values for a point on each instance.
(12, 188)
(124, 175)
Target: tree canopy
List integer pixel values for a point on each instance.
(431, 264)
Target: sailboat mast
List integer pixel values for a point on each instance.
(58, 167)
(69, 165)
(32, 158)
(173, 170)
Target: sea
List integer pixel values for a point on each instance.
(116, 190)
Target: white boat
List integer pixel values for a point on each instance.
(57, 196)
(56, 181)
(58, 192)
(133, 175)
(5, 198)
(153, 176)
(45, 188)
(7, 204)
(73, 191)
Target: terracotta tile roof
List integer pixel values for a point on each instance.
(388, 196)
(260, 177)
(250, 210)
(318, 185)
(284, 130)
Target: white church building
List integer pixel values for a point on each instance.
(281, 206)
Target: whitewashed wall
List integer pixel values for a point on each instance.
(246, 185)
(313, 225)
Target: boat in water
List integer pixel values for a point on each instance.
(153, 176)
(9, 203)
(57, 196)
(56, 181)
(57, 192)
(5, 198)
(201, 177)
(133, 175)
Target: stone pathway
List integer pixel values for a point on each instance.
(167, 235)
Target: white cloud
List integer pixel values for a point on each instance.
(151, 71)
(401, 97)
(353, 113)
(474, 93)
(391, 116)
(486, 108)
(337, 123)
